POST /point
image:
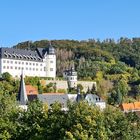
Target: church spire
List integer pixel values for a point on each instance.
(22, 96)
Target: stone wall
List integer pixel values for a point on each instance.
(61, 84)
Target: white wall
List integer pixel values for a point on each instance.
(101, 105)
(72, 81)
(72, 97)
(30, 68)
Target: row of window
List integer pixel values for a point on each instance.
(22, 68)
(72, 78)
(27, 63)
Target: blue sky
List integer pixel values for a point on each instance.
(22, 20)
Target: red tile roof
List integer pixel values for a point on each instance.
(137, 105)
(130, 106)
(30, 90)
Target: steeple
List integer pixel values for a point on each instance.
(22, 96)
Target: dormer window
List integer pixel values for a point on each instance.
(9, 55)
(20, 56)
(31, 57)
(35, 58)
(17, 55)
(6, 54)
(24, 56)
(28, 57)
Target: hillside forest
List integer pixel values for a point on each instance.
(114, 65)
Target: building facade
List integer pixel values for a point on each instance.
(41, 62)
(71, 77)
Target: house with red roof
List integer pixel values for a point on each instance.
(130, 107)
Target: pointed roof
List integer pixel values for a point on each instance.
(79, 96)
(51, 49)
(22, 96)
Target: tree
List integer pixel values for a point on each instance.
(7, 77)
(117, 125)
(40, 88)
(31, 121)
(9, 113)
(80, 87)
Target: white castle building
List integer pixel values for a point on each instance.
(41, 62)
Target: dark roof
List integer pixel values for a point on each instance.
(51, 50)
(52, 98)
(32, 97)
(22, 96)
(42, 51)
(80, 97)
(21, 54)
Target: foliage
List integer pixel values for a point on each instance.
(61, 90)
(6, 76)
(31, 80)
(50, 88)
(80, 121)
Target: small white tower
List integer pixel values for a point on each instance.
(50, 58)
(72, 78)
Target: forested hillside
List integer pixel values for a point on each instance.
(113, 64)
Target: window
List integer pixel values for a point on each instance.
(11, 67)
(16, 68)
(26, 63)
(11, 62)
(40, 69)
(18, 62)
(51, 61)
(7, 61)
(26, 68)
(40, 64)
(4, 67)
(15, 62)
(37, 69)
(51, 69)
(33, 69)
(4, 61)
(44, 68)
(7, 67)
(19, 68)
(33, 64)
(36, 64)
(22, 62)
